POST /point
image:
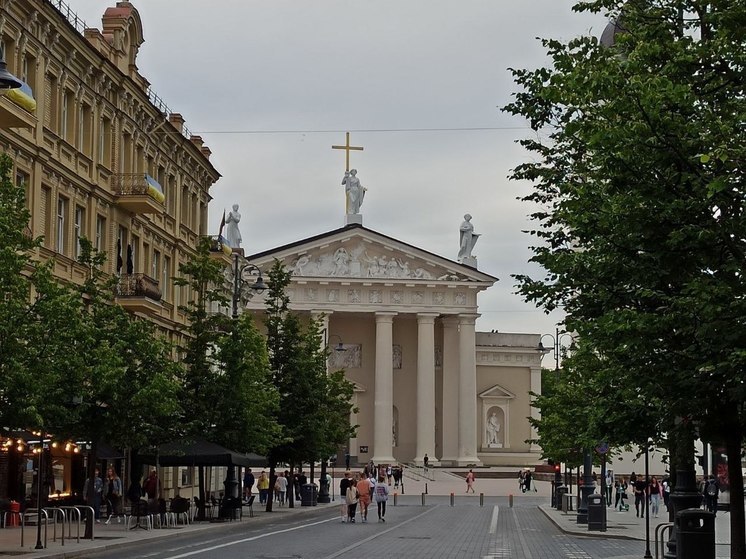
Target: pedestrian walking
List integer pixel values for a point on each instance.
(711, 492)
(97, 494)
(344, 484)
(248, 484)
(351, 498)
(365, 491)
(470, 481)
(640, 488)
(426, 462)
(666, 483)
(654, 493)
(113, 495)
(381, 496)
(263, 486)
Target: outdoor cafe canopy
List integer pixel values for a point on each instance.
(199, 452)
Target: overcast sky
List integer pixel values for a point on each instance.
(243, 71)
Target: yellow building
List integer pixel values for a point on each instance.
(102, 156)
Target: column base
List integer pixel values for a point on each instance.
(464, 461)
(449, 461)
(384, 460)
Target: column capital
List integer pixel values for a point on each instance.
(385, 317)
(468, 318)
(427, 317)
(450, 321)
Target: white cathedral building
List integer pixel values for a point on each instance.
(426, 382)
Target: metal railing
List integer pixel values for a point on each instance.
(30, 513)
(124, 184)
(64, 8)
(138, 285)
(158, 102)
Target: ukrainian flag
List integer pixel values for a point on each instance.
(23, 97)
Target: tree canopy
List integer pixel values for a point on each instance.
(638, 185)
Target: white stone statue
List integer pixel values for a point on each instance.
(468, 238)
(354, 190)
(493, 429)
(232, 234)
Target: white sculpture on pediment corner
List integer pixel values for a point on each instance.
(467, 239)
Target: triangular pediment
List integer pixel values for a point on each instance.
(497, 392)
(357, 253)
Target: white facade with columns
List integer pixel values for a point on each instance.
(407, 319)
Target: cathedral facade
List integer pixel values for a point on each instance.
(426, 382)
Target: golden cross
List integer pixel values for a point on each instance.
(347, 147)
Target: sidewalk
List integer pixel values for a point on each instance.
(115, 534)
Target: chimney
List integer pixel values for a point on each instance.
(197, 141)
(178, 121)
(206, 152)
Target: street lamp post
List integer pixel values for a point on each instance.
(556, 349)
(231, 483)
(238, 281)
(39, 488)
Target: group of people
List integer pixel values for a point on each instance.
(362, 489)
(110, 491)
(653, 492)
(279, 490)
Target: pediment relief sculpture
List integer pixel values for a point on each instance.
(361, 261)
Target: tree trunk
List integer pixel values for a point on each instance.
(733, 439)
(291, 487)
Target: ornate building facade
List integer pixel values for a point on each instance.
(425, 381)
(102, 156)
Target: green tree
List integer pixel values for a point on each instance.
(39, 319)
(639, 189)
(314, 407)
(228, 391)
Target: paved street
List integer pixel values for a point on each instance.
(434, 531)
(528, 530)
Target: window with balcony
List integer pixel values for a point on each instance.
(156, 270)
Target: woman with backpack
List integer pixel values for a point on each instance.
(381, 495)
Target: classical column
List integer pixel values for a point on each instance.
(449, 405)
(384, 390)
(425, 388)
(467, 391)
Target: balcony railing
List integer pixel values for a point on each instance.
(138, 192)
(138, 285)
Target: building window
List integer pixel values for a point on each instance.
(104, 143)
(85, 135)
(61, 219)
(46, 215)
(22, 181)
(121, 248)
(165, 284)
(100, 233)
(155, 271)
(67, 116)
(50, 102)
(79, 229)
